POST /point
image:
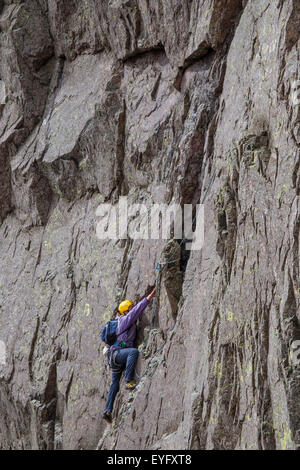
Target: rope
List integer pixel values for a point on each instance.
(193, 221)
(160, 266)
(154, 307)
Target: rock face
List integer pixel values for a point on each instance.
(148, 99)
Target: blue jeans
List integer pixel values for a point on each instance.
(126, 357)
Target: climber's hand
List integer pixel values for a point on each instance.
(152, 294)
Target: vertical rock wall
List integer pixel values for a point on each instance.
(147, 99)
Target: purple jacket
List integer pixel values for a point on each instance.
(127, 322)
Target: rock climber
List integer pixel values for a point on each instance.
(122, 355)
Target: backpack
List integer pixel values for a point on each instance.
(108, 332)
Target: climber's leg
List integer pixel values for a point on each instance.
(128, 357)
(130, 364)
(114, 388)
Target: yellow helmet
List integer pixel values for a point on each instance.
(123, 307)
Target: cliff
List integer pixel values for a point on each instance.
(149, 99)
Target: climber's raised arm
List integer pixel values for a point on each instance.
(152, 294)
(126, 320)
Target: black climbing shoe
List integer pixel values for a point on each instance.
(107, 416)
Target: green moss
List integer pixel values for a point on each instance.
(87, 310)
(286, 441)
(217, 369)
(230, 316)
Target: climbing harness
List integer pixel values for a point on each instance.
(160, 266)
(111, 361)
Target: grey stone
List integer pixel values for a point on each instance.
(146, 100)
